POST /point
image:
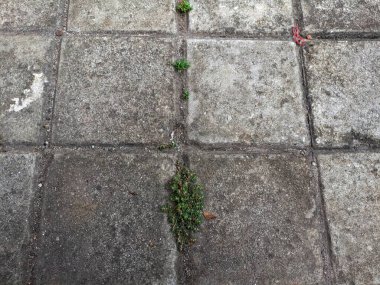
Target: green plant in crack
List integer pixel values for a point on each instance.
(184, 6)
(181, 64)
(170, 145)
(185, 206)
(186, 95)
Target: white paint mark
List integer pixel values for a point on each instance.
(31, 95)
(310, 213)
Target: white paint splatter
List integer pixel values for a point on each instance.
(31, 95)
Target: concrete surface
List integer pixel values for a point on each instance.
(352, 193)
(101, 221)
(267, 229)
(245, 92)
(260, 17)
(16, 191)
(285, 139)
(344, 84)
(131, 15)
(25, 81)
(28, 15)
(341, 15)
(115, 90)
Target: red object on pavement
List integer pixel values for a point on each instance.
(298, 39)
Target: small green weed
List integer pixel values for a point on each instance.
(186, 95)
(181, 64)
(185, 206)
(184, 6)
(170, 145)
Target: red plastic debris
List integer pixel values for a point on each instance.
(297, 38)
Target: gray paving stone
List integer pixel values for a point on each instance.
(25, 80)
(341, 15)
(123, 15)
(344, 80)
(115, 90)
(102, 222)
(249, 17)
(352, 194)
(25, 14)
(245, 92)
(16, 190)
(266, 230)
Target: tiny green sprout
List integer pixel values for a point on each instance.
(185, 206)
(181, 64)
(186, 95)
(184, 6)
(170, 145)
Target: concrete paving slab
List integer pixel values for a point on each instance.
(266, 230)
(352, 196)
(25, 81)
(25, 14)
(115, 90)
(122, 15)
(245, 91)
(16, 191)
(344, 80)
(264, 17)
(102, 222)
(341, 15)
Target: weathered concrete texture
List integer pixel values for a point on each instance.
(344, 83)
(26, 14)
(25, 80)
(266, 230)
(249, 17)
(245, 92)
(115, 90)
(16, 190)
(352, 194)
(341, 15)
(124, 15)
(102, 222)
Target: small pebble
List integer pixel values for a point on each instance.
(59, 33)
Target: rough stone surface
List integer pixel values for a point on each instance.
(352, 194)
(115, 90)
(125, 15)
(249, 17)
(16, 190)
(25, 80)
(266, 230)
(26, 14)
(245, 92)
(102, 222)
(344, 84)
(341, 15)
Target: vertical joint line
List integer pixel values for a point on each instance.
(42, 165)
(306, 97)
(52, 104)
(329, 255)
(66, 15)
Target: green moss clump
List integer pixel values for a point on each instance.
(185, 206)
(184, 6)
(170, 145)
(186, 95)
(181, 64)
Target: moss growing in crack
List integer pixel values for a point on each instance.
(185, 206)
(181, 64)
(186, 95)
(170, 145)
(184, 6)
